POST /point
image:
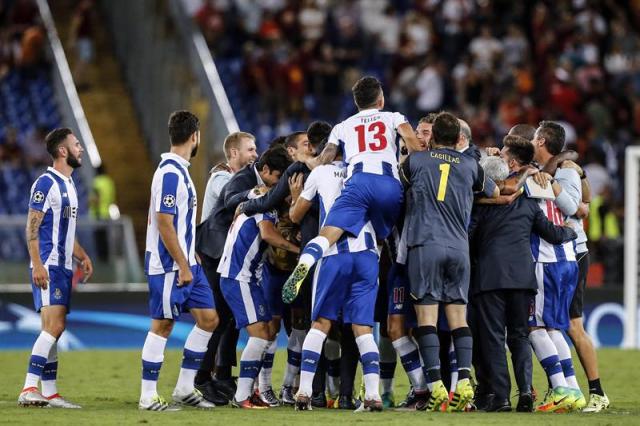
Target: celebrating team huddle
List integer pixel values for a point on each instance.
(450, 249)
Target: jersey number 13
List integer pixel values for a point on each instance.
(378, 129)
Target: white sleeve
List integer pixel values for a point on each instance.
(398, 119)
(334, 136)
(311, 185)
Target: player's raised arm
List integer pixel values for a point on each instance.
(85, 262)
(169, 238)
(40, 274)
(327, 155)
(409, 137)
(299, 205)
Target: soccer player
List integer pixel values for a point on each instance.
(423, 131)
(240, 281)
(177, 282)
(345, 282)
(441, 188)
(372, 192)
(52, 245)
(557, 275)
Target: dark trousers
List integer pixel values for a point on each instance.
(495, 311)
(226, 331)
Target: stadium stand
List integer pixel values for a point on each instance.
(28, 112)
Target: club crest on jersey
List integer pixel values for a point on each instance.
(169, 200)
(38, 197)
(176, 312)
(261, 310)
(57, 294)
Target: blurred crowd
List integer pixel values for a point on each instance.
(494, 62)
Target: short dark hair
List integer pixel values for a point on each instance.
(292, 139)
(429, 118)
(446, 129)
(520, 149)
(553, 135)
(277, 141)
(182, 124)
(526, 131)
(318, 132)
(54, 138)
(366, 91)
(276, 158)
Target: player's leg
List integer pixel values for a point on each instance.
(328, 294)
(517, 313)
(152, 359)
(556, 397)
(249, 308)
(463, 344)
(53, 305)
(561, 279)
(198, 300)
(359, 311)
(265, 385)
(348, 214)
(294, 356)
(348, 366)
(598, 400)
(311, 352)
(332, 353)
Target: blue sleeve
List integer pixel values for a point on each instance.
(481, 183)
(168, 196)
(489, 187)
(39, 193)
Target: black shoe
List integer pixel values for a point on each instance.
(211, 394)
(345, 402)
(319, 400)
(225, 387)
(499, 406)
(525, 403)
(483, 401)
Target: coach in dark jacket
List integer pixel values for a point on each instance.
(504, 283)
(210, 238)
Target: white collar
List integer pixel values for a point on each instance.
(60, 175)
(176, 157)
(368, 111)
(260, 181)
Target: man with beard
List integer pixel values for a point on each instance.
(177, 282)
(52, 244)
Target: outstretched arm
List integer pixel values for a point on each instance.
(271, 236)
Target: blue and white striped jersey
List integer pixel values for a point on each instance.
(55, 195)
(369, 141)
(244, 249)
(172, 192)
(326, 182)
(545, 252)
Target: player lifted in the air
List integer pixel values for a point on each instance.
(368, 141)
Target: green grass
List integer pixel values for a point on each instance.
(106, 384)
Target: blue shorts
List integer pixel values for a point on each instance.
(556, 285)
(398, 291)
(246, 300)
(367, 197)
(58, 291)
(168, 301)
(346, 283)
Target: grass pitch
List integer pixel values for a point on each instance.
(107, 385)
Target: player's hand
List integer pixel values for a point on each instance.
(583, 211)
(87, 268)
(542, 179)
(238, 211)
(492, 151)
(295, 185)
(184, 276)
(40, 276)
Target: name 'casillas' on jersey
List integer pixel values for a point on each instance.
(452, 177)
